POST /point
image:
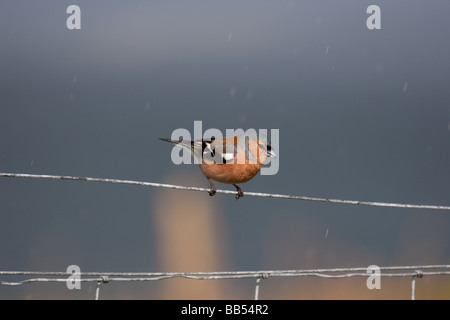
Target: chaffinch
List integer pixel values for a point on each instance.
(229, 160)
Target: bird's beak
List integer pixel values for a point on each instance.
(271, 154)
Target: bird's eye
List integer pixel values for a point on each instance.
(269, 147)
(262, 146)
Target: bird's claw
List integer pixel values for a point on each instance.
(239, 193)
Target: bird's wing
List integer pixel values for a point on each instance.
(220, 151)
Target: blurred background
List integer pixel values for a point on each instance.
(363, 115)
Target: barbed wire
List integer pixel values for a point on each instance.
(414, 272)
(254, 194)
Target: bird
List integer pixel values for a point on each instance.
(229, 160)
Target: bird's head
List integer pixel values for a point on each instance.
(265, 152)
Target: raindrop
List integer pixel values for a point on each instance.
(291, 4)
(379, 68)
(319, 20)
(232, 92)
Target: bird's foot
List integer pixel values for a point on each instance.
(212, 191)
(240, 193)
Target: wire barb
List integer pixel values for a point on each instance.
(418, 274)
(258, 280)
(97, 291)
(254, 194)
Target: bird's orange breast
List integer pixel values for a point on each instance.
(230, 173)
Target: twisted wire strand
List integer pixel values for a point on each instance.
(253, 194)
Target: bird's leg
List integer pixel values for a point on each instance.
(240, 193)
(213, 188)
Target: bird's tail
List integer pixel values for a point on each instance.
(170, 140)
(182, 143)
(195, 147)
